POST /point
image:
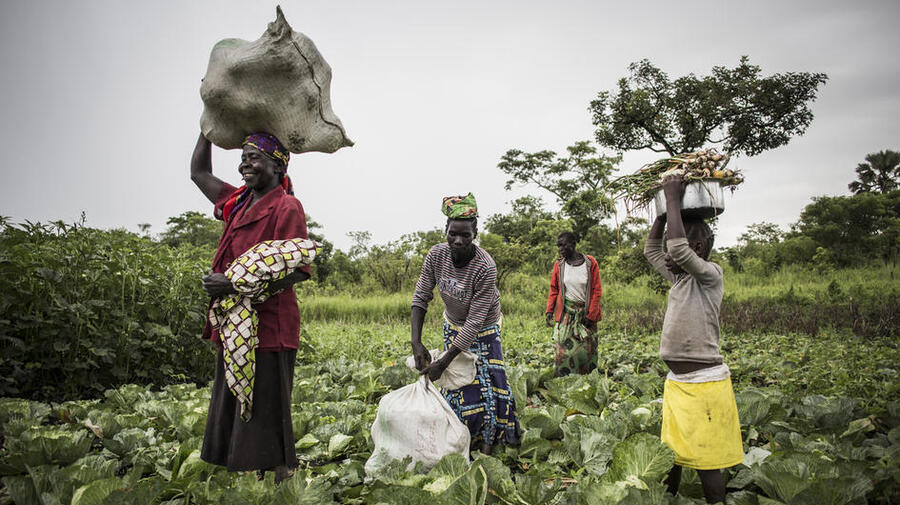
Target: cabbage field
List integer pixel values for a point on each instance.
(104, 386)
(820, 420)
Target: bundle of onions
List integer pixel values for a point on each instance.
(637, 190)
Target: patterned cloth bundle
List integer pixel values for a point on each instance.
(460, 207)
(236, 320)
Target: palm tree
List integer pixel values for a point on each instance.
(880, 173)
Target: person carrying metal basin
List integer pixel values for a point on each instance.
(700, 418)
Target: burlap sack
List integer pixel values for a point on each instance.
(278, 84)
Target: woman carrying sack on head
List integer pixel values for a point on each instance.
(249, 425)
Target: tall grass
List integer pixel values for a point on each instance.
(793, 299)
(873, 281)
(384, 307)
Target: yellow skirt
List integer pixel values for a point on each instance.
(700, 424)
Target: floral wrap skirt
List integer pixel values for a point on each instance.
(486, 406)
(576, 345)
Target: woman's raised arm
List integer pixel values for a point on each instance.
(201, 170)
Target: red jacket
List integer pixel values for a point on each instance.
(556, 300)
(275, 216)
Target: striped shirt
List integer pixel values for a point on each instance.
(470, 295)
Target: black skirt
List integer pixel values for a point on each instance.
(267, 440)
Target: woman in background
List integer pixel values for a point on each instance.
(574, 306)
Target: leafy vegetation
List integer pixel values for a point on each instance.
(880, 173)
(577, 181)
(815, 427)
(737, 108)
(86, 309)
(832, 231)
(103, 394)
(813, 354)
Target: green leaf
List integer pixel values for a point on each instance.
(741, 498)
(586, 394)
(439, 485)
(894, 435)
(596, 450)
(827, 412)
(90, 468)
(533, 446)
(499, 477)
(126, 441)
(757, 406)
(470, 488)
(21, 490)
(144, 491)
(338, 443)
(601, 493)
(741, 479)
(307, 441)
(401, 471)
(193, 465)
(755, 456)
(864, 425)
(399, 495)
(786, 477)
(768, 501)
(518, 384)
(833, 491)
(643, 456)
(532, 490)
(453, 465)
(95, 492)
(548, 419)
(303, 490)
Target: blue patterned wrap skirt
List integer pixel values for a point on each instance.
(486, 406)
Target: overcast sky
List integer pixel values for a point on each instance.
(101, 101)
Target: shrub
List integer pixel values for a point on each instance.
(85, 310)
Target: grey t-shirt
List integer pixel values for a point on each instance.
(691, 326)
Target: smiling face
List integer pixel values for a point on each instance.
(260, 173)
(460, 234)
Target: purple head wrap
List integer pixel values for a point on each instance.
(270, 146)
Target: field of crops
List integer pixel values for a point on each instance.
(820, 421)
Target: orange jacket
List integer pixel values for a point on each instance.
(556, 300)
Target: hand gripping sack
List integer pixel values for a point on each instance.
(417, 421)
(460, 372)
(278, 84)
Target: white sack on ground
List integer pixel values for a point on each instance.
(417, 421)
(278, 84)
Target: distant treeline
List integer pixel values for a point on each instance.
(84, 309)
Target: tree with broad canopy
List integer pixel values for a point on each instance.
(735, 108)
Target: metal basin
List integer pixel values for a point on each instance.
(703, 199)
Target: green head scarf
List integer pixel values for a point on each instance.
(460, 207)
